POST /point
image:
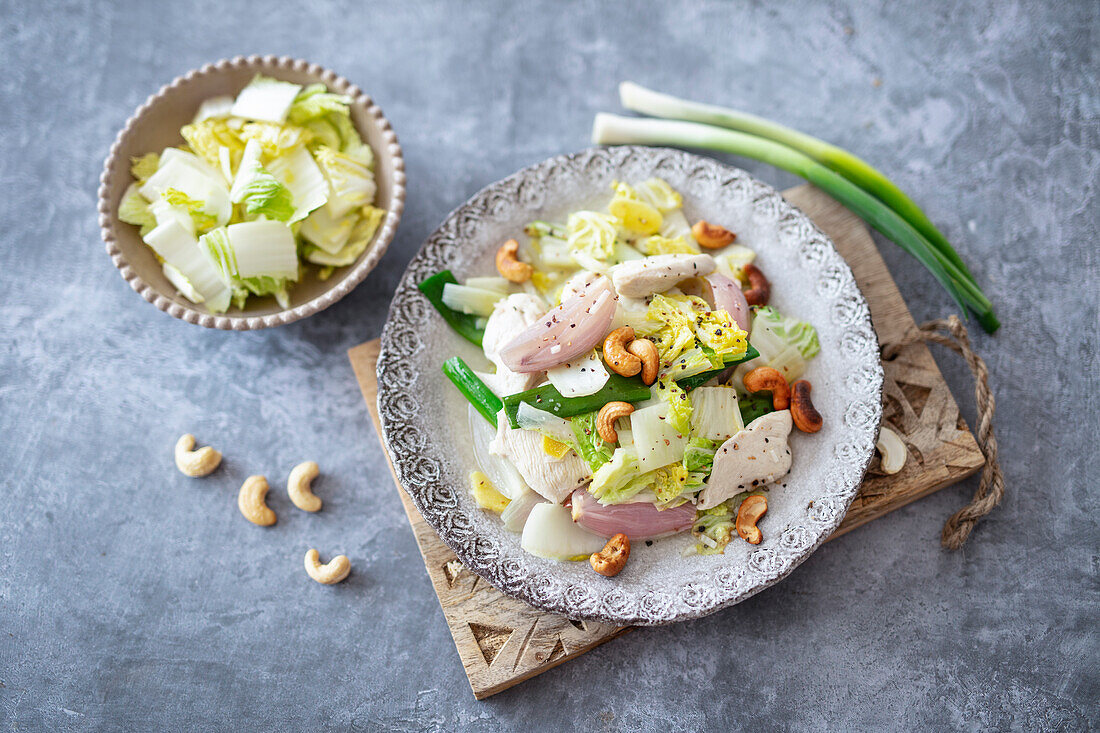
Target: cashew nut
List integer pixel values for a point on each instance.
(712, 236)
(331, 572)
(759, 288)
(748, 514)
(645, 350)
(250, 501)
(508, 264)
(299, 489)
(769, 379)
(893, 450)
(605, 420)
(805, 415)
(195, 463)
(612, 558)
(618, 359)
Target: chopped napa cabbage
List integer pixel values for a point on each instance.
(489, 283)
(678, 313)
(590, 446)
(657, 193)
(714, 527)
(275, 286)
(182, 284)
(353, 145)
(175, 156)
(718, 331)
(658, 245)
(361, 235)
(592, 235)
(191, 187)
(546, 423)
(264, 248)
(143, 167)
(581, 376)
(201, 220)
(323, 132)
(699, 454)
(635, 215)
(669, 483)
(134, 209)
(163, 212)
(694, 361)
(352, 182)
(178, 247)
(207, 138)
(308, 186)
(265, 99)
(316, 101)
(552, 253)
(276, 140)
(214, 108)
(465, 299)
(614, 478)
(265, 196)
(732, 261)
(327, 231)
(676, 226)
(248, 168)
(791, 331)
(716, 414)
(679, 405)
(657, 442)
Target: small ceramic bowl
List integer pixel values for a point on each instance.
(155, 126)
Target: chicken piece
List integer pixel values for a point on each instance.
(638, 278)
(756, 456)
(510, 318)
(552, 478)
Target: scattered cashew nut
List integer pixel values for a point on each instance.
(769, 379)
(759, 288)
(508, 264)
(712, 236)
(605, 420)
(250, 501)
(298, 486)
(612, 558)
(331, 572)
(893, 450)
(748, 514)
(805, 415)
(646, 350)
(195, 463)
(618, 359)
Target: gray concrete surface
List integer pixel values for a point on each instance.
(132, 598)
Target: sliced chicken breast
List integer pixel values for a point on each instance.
(639, 278)
(552, 478)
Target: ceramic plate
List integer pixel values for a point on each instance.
(424, 418)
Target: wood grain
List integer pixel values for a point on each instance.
(502, 641)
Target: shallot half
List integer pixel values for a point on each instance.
(726, 295)
(638, 520)
(565, 332)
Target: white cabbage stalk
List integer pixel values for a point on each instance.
(550, 532)
(582, 376)
(179, 248)
(182, 284)
(247, 170)
(214, 108)
(265, 99)
(657, 443)
(515, 514)
(465, 299)
(165, 212)
(547, 423)
(328, 231)
(309, 189)
(503, 475)
(264, 248)
(714, 414)
(193, 182)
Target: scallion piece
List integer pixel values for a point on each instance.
(464, 323)
(615, 130)
(473, 389)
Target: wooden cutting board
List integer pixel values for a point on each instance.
(503, 641)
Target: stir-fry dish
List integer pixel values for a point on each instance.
(636, 382)
(266, 182)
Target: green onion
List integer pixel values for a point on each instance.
(472, 388)
(549, 399)
(615, 130)
(464, 323)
